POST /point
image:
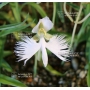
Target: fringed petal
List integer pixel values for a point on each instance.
(26, 48)
(58, 46)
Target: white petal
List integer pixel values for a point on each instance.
(44, 53)
(58, 46)
(26, 48)
(47, 23)
(36, 28)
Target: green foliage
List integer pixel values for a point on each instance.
(5, 65)
(60, 12)
(2, 42)
(88, 76)
(50, 69)
(15, 8)
(14, 28)
(3, 4)
(38, 8)
(53, 71)
(10, 81)
(74, 6)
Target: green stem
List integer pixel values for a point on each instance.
(75, 26)
(35, 65)
(54, 12)
(81, 21)
(65, 10)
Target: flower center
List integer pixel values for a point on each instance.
(41, 31)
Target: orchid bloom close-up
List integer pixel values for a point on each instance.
(26, 48)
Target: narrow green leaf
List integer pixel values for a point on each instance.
(6, 32)
(2, 41)
(60, 12)
(87, 9)
(19, 28)
(88, 49)
(16, 10)
(10, 81)
(12, 26)
(25, 3)
(50, 69)
(3, 4)
(82, 30)
(5, 27)
(5, 65)
(38, 8)
(85, 27)
(53, 71)
(81, 36)
(88, 76)
(30, 19)
(6, 16)
(74, 6)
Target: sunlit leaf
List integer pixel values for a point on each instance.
(5, 27)
(12, 26)
(53, 71)
(50, 69)
(10, 81)
(19, 28)
(3, 4)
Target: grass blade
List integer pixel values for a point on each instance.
(3, 4)
(6, 66)
(10, 81)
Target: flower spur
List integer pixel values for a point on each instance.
(26, 48)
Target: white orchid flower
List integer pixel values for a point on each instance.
(26, 48)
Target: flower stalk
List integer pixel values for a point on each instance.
(35, 65)
(75, 26)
